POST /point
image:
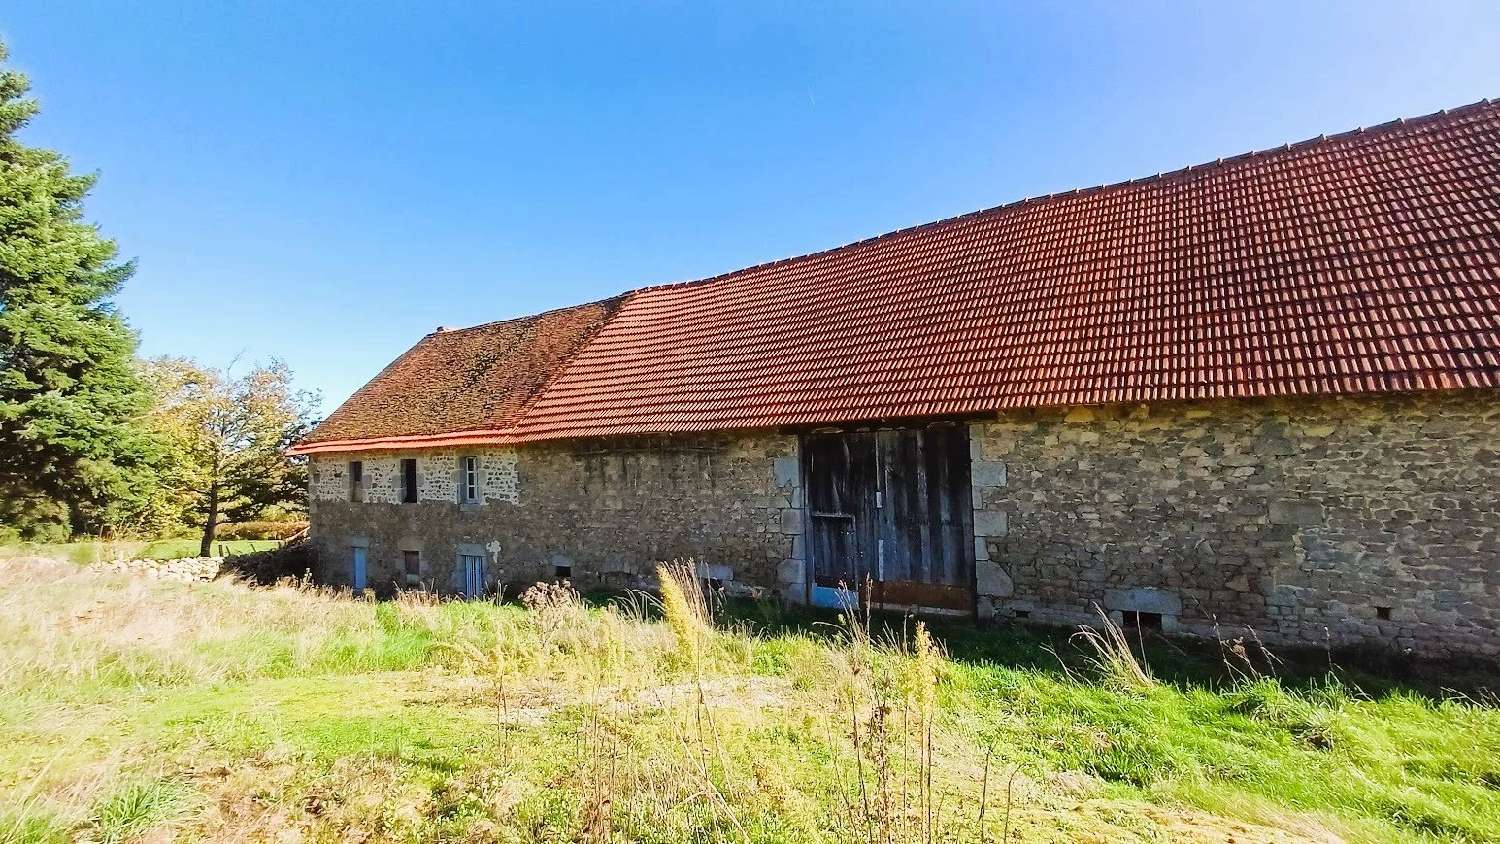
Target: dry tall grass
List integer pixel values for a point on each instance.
(1112, 654)
(556, 721)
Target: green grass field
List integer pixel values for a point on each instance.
(93, 551)
(150, 710)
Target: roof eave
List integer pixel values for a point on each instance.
(407, 442)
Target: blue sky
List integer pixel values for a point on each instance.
(327, 182)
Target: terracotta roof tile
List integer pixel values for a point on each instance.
(1362, 262)
(1369, 261)
(463, 380)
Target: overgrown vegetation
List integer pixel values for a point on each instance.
(93, 441)
(96, 551)
(217, 711)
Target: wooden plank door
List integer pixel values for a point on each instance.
(840, 491)
(892, 509)
(925, 519)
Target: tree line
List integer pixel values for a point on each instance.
(95, 441)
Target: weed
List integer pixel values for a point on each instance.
(684, 606)
(30, 828)
(1112, 654)
(139, 807)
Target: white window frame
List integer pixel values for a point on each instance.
(468, 479)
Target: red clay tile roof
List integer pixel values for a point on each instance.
(467, 380)
(1363, 262)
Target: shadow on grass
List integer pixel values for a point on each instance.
(1181, 661)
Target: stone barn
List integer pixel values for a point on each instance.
(1258, 392)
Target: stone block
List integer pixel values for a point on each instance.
(981, 548)
(786, 471)
(715, 571)
(987, 473)
(791, 522)
(990, 579)
(990, 523)
(976, 441)
(985, 608)
(791, 571)
(1143, 599)
(1296, 512)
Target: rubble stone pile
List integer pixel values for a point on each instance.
(185, 569)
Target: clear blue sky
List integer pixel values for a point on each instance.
(326, 182)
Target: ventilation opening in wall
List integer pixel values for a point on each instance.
(1132, 620)
(1022, 615)
(562, 572)
(1383, 613)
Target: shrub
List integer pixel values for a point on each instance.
(259, 530)
(293, 560)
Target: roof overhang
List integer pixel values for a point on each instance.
(412, 442)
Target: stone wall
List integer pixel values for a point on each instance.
(437, 475)
(1316, 521)
(1324, 520)
(606, 511)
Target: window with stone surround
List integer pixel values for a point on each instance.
(409, 480)
(356, 480)
(411, 563)
(468, 481)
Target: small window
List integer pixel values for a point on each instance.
(409, 481)
(356, 480)
(1383, 613)
(411, 561)
(562, 572)
(469, 480)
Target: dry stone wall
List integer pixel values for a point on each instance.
(184, 569)
(600, 513)
(1370, 520)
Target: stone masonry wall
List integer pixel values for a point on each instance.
(437, 476)
(1324, 520)
(606, 510)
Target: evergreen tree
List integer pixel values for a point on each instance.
(70, 399)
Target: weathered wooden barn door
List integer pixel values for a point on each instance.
(891, 510)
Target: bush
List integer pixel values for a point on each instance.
(259, 530)
(293, 559)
